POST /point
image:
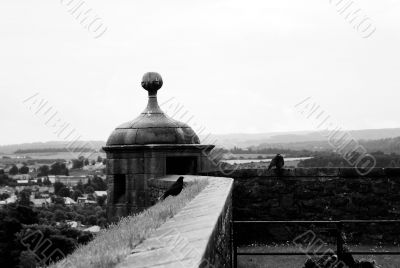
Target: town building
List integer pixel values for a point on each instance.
(68, 180)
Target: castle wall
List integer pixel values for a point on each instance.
(318, 194)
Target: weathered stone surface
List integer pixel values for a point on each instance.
(135, 165)
(117, 166)
(198, 235)
(343, 197)
(155, 165)
(309, 172)
(207, 164)
(392, 172)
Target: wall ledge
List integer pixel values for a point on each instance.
(185, 239)
(309, 172)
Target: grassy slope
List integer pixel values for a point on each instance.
(112, 245)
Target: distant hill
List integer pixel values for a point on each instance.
(246, 140)
(309, 140)
(89, 145)
(55, 150)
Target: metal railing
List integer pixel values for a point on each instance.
(339, 238)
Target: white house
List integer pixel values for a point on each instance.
(69, 201)
(93, 229)
(69, 180)
(10, 200)
(100, 193)
(21, 177)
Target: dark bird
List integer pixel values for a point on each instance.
(175, 188)
(277, 162)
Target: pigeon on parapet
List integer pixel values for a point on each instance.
(278, 162)
(175, 188)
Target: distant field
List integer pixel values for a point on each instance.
(81, 172)
(298, 261)
(263, 163)
(251, 156)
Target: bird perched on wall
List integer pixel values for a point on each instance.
(175, 188)
(277, 162)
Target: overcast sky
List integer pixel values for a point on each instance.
(235, 66)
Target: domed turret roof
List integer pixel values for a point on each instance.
(153, 126)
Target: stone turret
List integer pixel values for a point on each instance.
(151, 145)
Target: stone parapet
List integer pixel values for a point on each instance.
(198, 235)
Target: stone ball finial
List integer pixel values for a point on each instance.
(152, 82)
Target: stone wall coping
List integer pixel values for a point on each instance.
(309, 172)
(182, 241)
(165, 181)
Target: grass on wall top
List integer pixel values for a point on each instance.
(115, 243)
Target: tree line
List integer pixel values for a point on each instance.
(23, 230)
(330, 159)
(55, 150)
